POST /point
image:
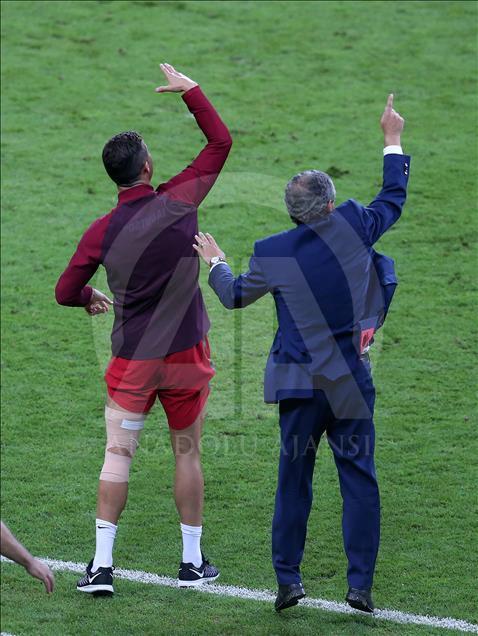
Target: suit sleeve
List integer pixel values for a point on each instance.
(235, 293)
(387, 206)
(194, 182)
(72, 289)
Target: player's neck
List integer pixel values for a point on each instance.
(133, 185)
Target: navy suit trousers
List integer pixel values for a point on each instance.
(352, 440)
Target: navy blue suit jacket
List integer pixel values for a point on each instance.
(330, 287)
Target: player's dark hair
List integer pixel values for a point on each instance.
(124, 156)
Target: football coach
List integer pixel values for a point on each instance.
(332, 291)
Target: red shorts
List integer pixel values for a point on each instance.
(180, 381)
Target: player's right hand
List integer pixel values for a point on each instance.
(99, 303)
(177, 82)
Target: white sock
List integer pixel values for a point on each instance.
(192, 544)
(105, 538)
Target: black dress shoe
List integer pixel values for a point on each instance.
(360, 599)
(289, 595)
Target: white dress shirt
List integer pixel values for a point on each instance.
(392, 150)
(216, 264)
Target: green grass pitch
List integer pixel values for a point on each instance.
(300, 84)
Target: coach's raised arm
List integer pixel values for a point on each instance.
(314, 192)
(387, 206)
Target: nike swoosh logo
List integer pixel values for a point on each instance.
(200, 574)
(92, 578)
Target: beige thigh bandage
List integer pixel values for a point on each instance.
(122, 434)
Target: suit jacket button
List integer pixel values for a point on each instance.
(405, 168)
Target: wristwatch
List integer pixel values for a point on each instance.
(215, 260)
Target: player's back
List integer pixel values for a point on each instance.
(152, 271)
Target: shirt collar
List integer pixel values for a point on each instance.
(136, 192)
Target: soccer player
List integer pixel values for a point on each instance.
(11, 548)
(159, 342)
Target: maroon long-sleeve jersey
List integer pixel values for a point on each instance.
(145, 244)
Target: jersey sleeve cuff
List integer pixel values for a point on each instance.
(86, 294)
(193, 97)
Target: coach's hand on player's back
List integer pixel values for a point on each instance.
(99, 303)
(392, 124)
(207, 247)
(177, 82)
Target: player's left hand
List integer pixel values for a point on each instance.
(177, 82)
(207, 247)
(99, 303)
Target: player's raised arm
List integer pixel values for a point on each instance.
(387, 206)
(194, 182)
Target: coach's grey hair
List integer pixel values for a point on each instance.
(307, 195)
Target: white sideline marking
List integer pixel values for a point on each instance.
(264, 595)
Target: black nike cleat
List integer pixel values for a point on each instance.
(99, 583)
(360, 600)
(190, 576)
(288, 596)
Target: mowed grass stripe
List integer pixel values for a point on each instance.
(395, 616)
